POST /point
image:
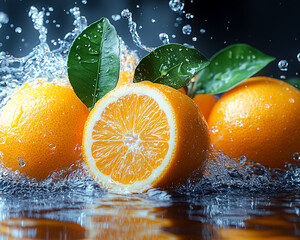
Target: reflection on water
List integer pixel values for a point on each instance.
(154, 215)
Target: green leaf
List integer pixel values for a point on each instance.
(229, 67)
(93, 62)
(171, 64)
(295, 82)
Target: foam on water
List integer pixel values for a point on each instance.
(221, 172)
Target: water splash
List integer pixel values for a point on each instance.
(132, 29)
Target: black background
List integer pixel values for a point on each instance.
(272, 26)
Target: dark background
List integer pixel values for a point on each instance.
(272, 26)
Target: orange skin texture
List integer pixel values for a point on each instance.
(260, 119)
(193, 141)
(205, 103)
(43, 127)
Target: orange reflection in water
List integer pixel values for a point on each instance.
(275, 227)
(30, 228)
(127, 218)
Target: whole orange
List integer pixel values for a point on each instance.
(260, 119)
(205, 103)
(41, 129)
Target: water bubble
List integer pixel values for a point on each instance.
(179, 19)
(21, 162)
(11, 25)
(153, 20)
(187, 29)
(116, 17)
(3, 18)
(194, 39)
(7, 37)
(84, 1)
(202, 30)
(296, 157)
(176, 5)
(298, 57)
(137, 6)
(283, 77)
(164, 38)
(50, 9)
(189, 16)
(173, 36)
(18, 30)
(283, 65)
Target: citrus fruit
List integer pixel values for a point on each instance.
(260, 119)
(144, 135)
(205, 103)
(41, 129)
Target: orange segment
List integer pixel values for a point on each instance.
(143, 135)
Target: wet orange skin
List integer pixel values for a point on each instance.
(260, 118)
(42, 128)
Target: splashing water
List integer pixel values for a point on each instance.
(132, 29)
(221, 172)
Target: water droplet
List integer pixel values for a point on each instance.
(3, 18)
(50, 9)
(283, 65)
(187, 29)
(137, 6)
(18, 30)
(7, 37)
(164, 38)
(153, 20)
(189, 16)
(282, 77)
(11, 25)
(116, 17)
(21, 162)
(194, 39)
(296, 157)
(84, 1)
(57, 25)
(173, 36)
(298, 57)
(176, 5)
(202, 30)
(291, 100)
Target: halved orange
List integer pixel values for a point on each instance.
(144, 135)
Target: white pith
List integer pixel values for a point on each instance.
(131, 138)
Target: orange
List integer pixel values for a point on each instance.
(144, 135)
(41, 129)
(205, 103)
(260, 119)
